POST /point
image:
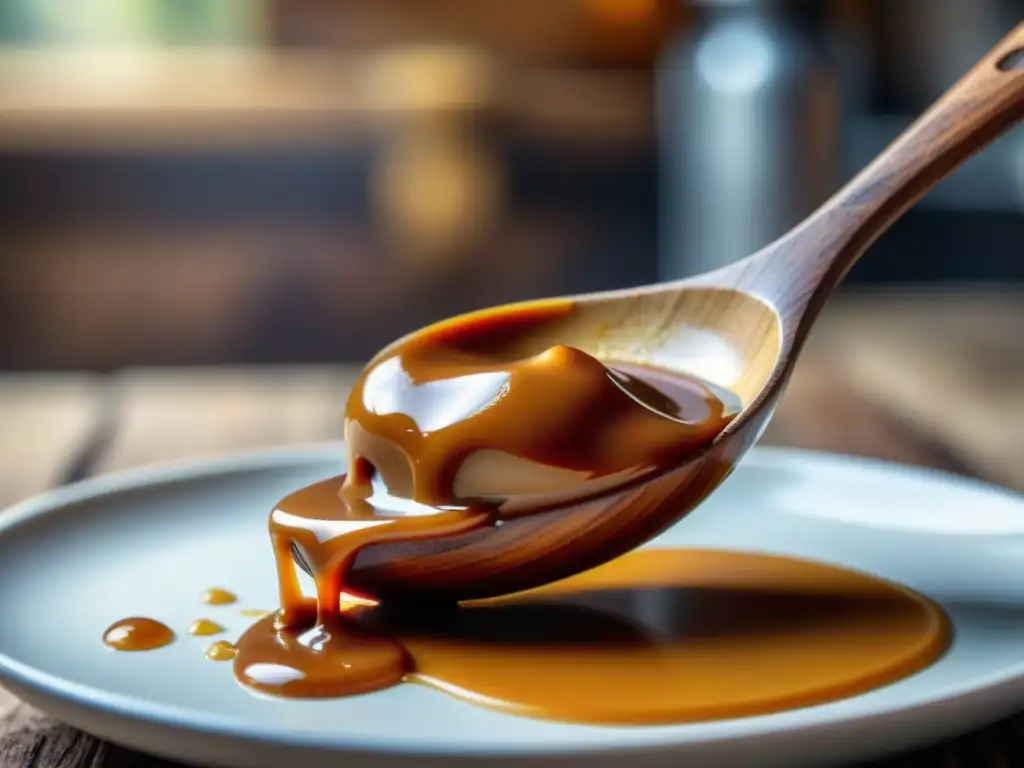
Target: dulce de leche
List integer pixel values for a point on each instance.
(459, 427)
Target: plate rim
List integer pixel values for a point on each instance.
(47, 686)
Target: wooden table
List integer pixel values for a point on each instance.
(934, 380)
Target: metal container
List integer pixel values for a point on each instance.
(750, 126)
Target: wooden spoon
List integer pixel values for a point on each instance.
(740, 327)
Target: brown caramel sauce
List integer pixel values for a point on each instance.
(221, 650)
(204, 627)
(549, 423)
(218, 596)
(461, 425)
(472, 422)
(658, 636)
(137, 633)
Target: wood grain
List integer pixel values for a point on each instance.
(234, 98)
(799, 271)
(45, 418)
(795, 275)
(741, 327)
(948, 367)
(169, 414)
(824, 411)
(162, 415)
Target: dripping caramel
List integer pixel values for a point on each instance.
(460, 427)
(658, 636)
(464, 426)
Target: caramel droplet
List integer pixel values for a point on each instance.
(137, 634)
(204, 627)
(222, 650)
(255, 613)
(218, 596)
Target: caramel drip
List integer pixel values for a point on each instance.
(658, 636)
(456, 428)
(470, 423)
(329, 531)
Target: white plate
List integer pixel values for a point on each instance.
(148, 542)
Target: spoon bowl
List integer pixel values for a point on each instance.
(668, 330)
(740, 327)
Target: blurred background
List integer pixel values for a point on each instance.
(189, 182)
(213, 211)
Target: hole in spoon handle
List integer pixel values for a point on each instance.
(1013, 60)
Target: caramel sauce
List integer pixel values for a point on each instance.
(218, 596)
(470, 423)
(461, 426)
(549, 426)
(137, 633)
(221, 650)
(658, 636)
(255, 613)
(204, 627)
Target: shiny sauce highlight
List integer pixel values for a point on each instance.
(658, 636)
(463, 426)
(137, 633)
(466, 424)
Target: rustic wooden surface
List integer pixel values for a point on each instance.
(934, 380)
(66, 100)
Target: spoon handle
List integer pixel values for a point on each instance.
(798, 271)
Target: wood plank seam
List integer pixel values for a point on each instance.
(95, 445)
(28, 738)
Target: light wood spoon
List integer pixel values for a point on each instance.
(740, 327)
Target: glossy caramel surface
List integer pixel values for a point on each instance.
(459, 428)
(462, 427)
(137, 633)
(466, 413)
(327, 531)
(655, 637)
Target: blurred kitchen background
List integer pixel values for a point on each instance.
(264, 181)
